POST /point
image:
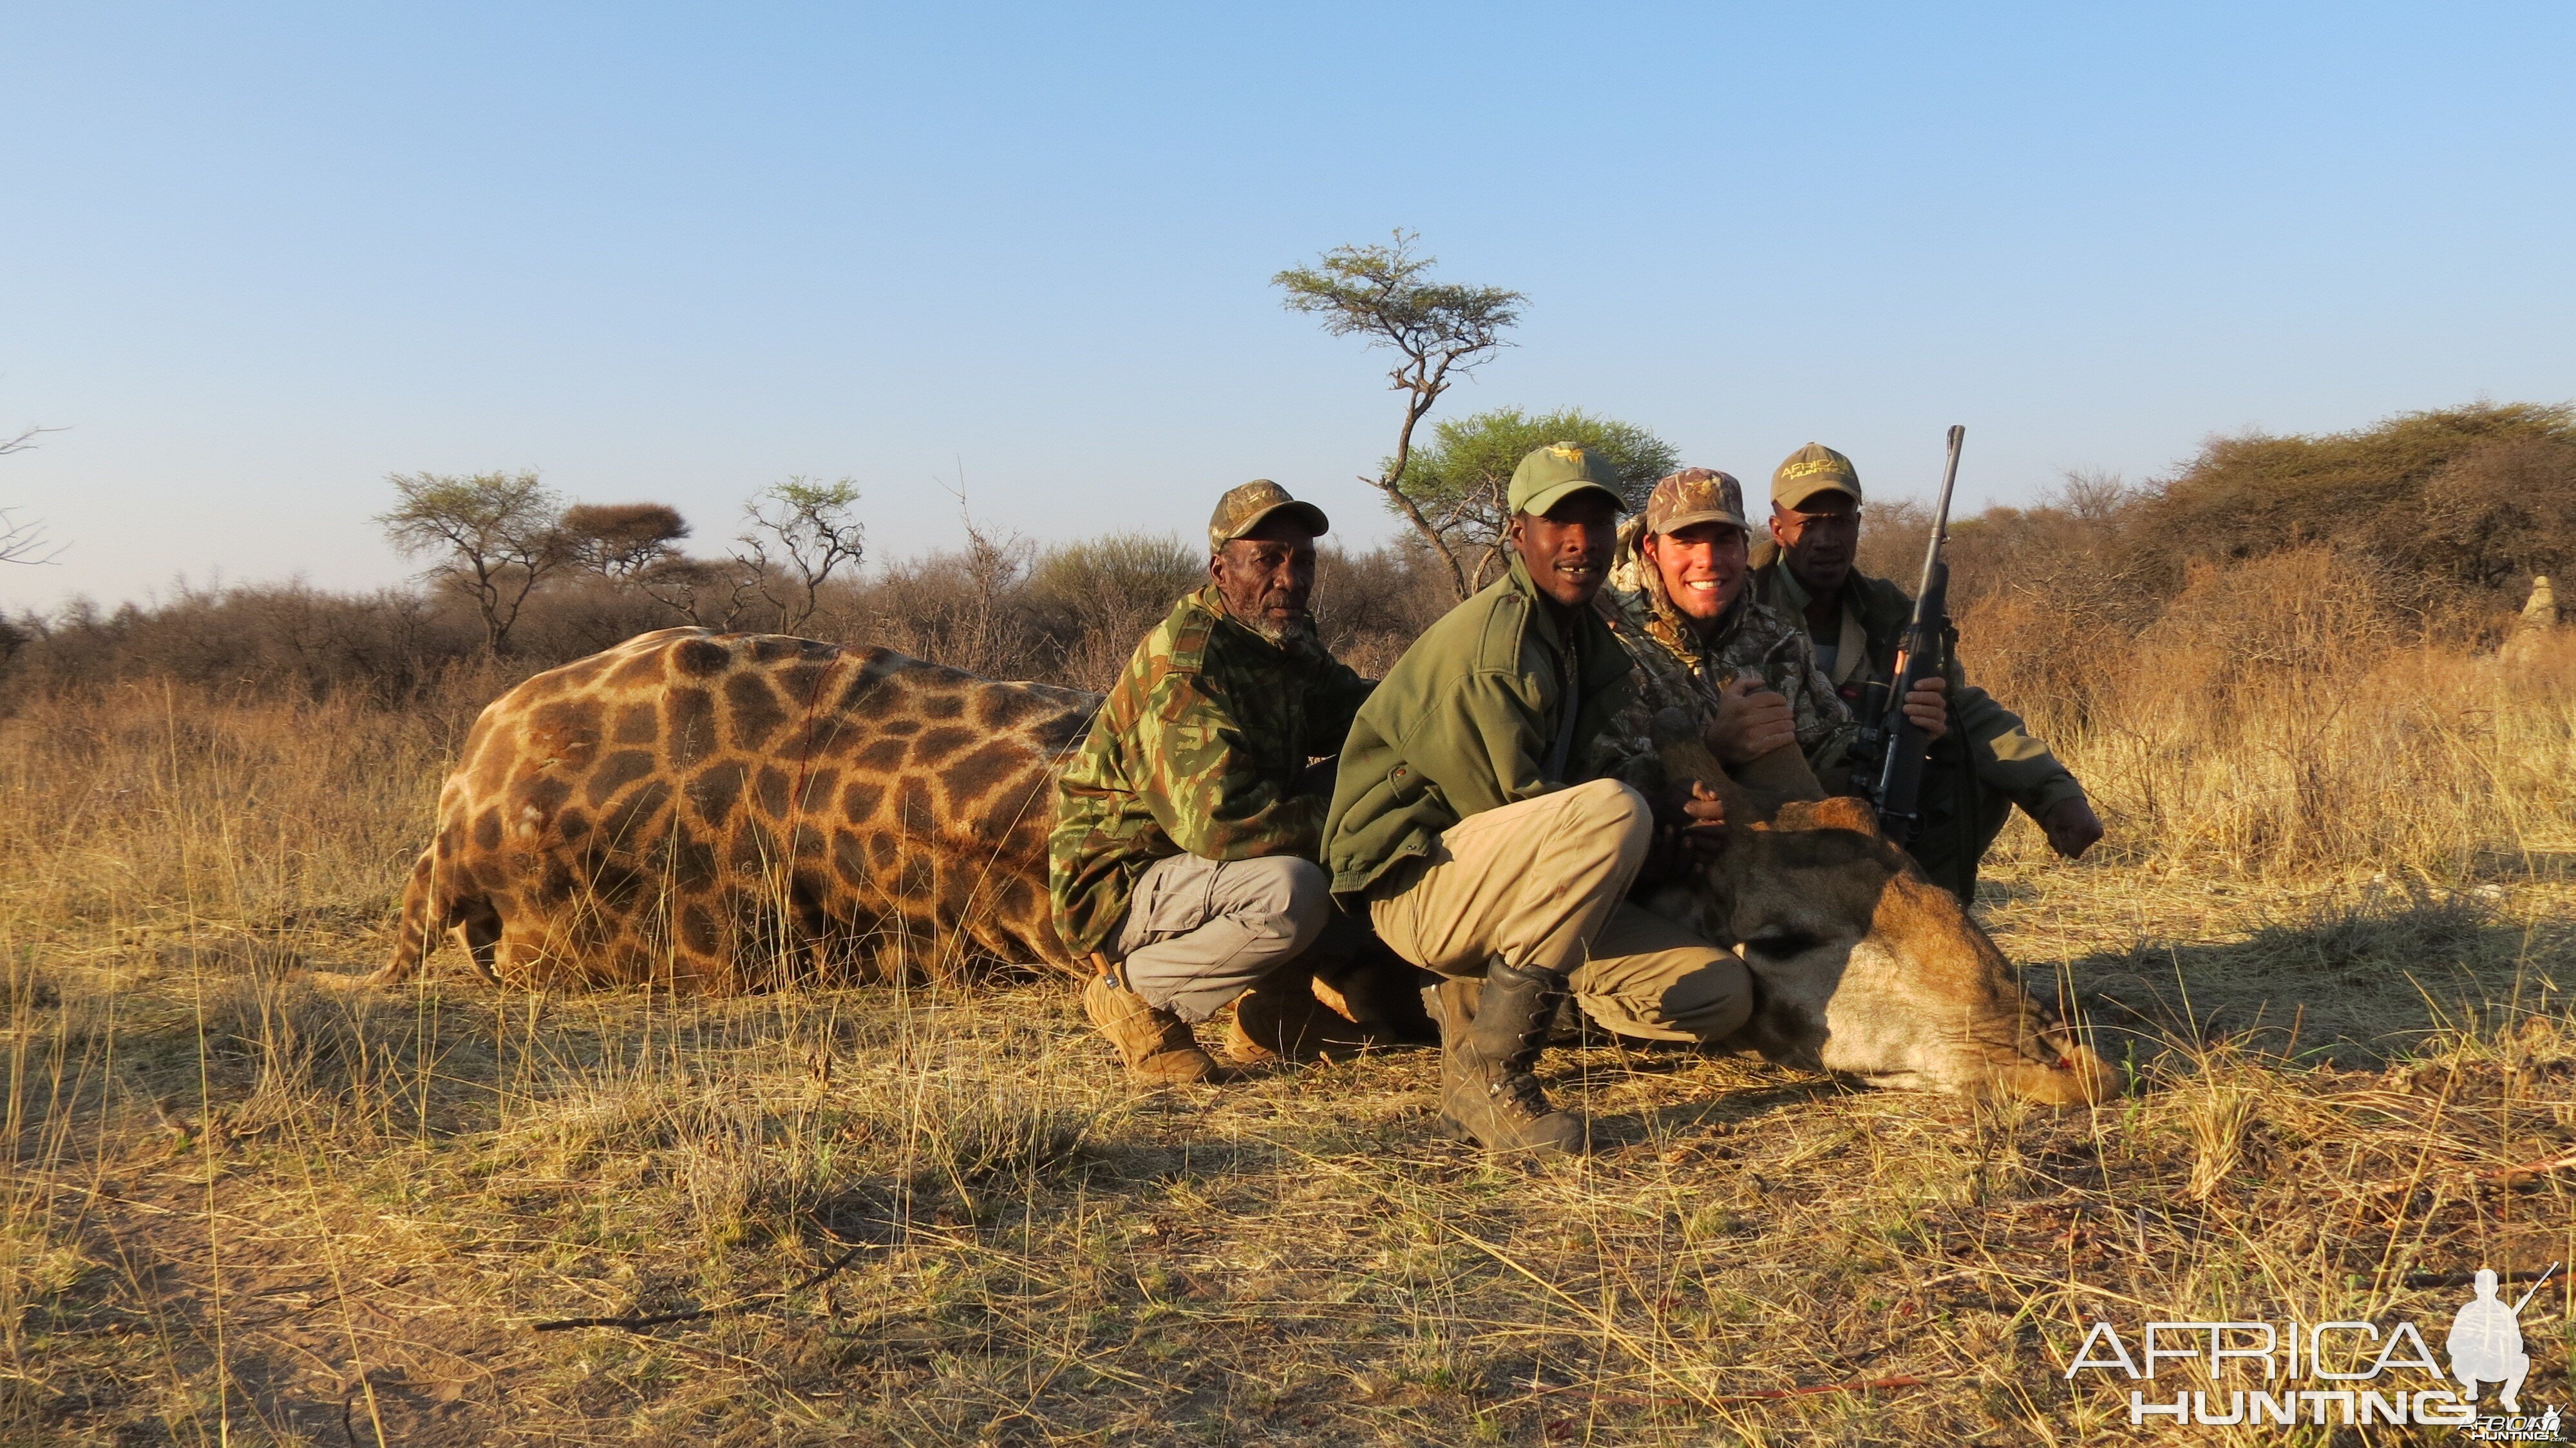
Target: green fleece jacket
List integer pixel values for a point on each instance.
(1465, 722)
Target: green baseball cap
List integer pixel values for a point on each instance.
(1242, 509)
(1810, 470)
(1694, 495)
(1549, 475)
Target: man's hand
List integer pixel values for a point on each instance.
(1751, 721)
(2071, 826)
(1690, 829)
(1925, 706)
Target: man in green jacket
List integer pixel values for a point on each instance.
(1188, 826)
(1987, 762)
(1468, 822)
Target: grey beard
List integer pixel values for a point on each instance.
(1301, 627)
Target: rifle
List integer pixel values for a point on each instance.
(2535, 1289)
(1923, 654)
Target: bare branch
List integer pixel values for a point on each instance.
(24, 440)
(26, 542)
(709, 592)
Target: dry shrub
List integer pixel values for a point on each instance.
(2465, 497)
(2288, 714)
(962, 609)
(1093, 600)
(2313, 612)
(1370, 606)
(1894, 532)
(2503, 511)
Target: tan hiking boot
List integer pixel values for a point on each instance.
(1286, 1022)
(1156, 1045)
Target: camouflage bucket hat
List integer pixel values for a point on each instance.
(1810, 470)
(1694, 495)
(1242, 509)
(1549, 475)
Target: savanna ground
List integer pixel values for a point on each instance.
(247, 1200)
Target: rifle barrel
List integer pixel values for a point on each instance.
(1941, 511)
(2535, 1289)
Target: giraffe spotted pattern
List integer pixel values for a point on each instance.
(724, 812)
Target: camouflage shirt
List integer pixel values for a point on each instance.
(1678, 667)
(1202, 748)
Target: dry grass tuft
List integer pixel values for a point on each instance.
(2218, 1115)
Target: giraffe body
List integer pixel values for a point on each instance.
(725, 812)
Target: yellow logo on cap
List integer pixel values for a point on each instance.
(1812, 466)
(1568, 454)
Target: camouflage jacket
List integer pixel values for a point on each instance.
(1201, 748)
(1678, 667)
(1986, 740)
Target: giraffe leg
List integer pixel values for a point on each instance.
(480, 933)
(429, 905)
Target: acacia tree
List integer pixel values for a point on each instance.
(1438, 331)
(1462, 479)
(801, 533)
(495, 536)
(622, 541)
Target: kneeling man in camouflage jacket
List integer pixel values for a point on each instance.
(1187, 828)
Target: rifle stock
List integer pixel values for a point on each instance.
(1920, 656)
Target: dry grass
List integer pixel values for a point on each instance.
(246, 1201)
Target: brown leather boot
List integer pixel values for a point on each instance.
(1157, 1046)
(1489, 1093)
(1282, 1020)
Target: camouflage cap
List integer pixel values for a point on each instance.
(1242, 509)
(1694, 495)
(1549, 475)
(1810, 470)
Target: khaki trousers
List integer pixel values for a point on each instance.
(1545, 883)
(1198, 932)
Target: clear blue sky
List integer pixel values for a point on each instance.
(254, 258)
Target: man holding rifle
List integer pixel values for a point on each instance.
(1986, 761)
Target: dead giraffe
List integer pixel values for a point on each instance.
(721, 812)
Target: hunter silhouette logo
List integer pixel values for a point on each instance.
(2486, 1342)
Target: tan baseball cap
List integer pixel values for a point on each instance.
(1694, 495)
(1242, 509)
(1549, 475)
(1810, 470)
